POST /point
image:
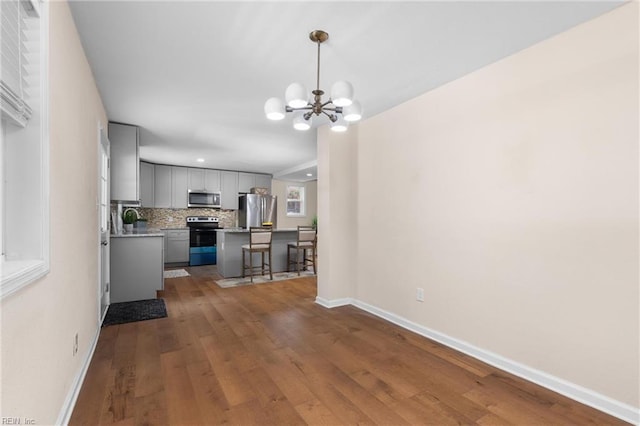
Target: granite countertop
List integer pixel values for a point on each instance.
(241, 230)
(177, 228)
(151, 232)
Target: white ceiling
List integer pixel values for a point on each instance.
(195, 75)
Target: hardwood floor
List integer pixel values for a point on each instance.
(268, 355)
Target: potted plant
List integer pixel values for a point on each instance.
(129, 217)
(141, 224)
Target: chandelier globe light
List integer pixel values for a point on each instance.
(341, 109)
(352, 112)
(299, 122)
(296, 95)
(342, 93)
(340, 125)
(274, 109)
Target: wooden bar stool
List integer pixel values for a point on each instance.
(307, 238)
(259, 242)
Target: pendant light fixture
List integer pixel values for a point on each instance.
(340, 108)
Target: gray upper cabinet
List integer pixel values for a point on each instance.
(196, 179)
(246, 181)
(212, 180)
(204, 179)
(147, 178)
(229, 189)
(162, 186)
(180, 183)
(172, 183)
(125, 168)
(263, 181)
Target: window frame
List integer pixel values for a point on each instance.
(26, 269)
(301, 199)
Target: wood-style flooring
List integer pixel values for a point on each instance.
(268, 355)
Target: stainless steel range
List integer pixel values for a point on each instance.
(202, 240)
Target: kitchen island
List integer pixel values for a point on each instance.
(137, 266)
(231, 240)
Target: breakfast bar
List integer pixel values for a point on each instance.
(231, 240)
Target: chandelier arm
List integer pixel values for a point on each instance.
(332, 117)
(337, 110)
(291, 109)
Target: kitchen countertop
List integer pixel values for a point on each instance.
(177, 228)
(242, 230)
(151, 232)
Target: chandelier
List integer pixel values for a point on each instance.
(340, 108)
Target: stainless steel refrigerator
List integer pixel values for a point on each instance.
(256, 210)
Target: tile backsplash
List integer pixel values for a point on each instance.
(177, 218)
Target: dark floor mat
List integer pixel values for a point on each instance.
(140, 310)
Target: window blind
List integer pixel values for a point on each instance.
(19, 51)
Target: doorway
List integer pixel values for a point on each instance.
(104, 209)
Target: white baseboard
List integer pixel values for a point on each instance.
(576, 392)
(72, 395)
(335, 302)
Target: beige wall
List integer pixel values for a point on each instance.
(279, 189)
(39, 322)
(516, 197)
(337, 214)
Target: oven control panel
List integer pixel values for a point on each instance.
(202, 219)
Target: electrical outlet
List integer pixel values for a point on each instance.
(75, 345)
(420, 294)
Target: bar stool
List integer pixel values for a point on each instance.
(259, 242)
(307, 238)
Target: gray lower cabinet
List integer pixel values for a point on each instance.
(137, 267)
(177, 246)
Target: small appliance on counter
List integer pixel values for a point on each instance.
(202, 240)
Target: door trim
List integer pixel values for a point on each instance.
(103, 144)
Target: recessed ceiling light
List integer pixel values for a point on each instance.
(309, 174)
(200, 160)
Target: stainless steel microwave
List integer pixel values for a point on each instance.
(204, 199)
